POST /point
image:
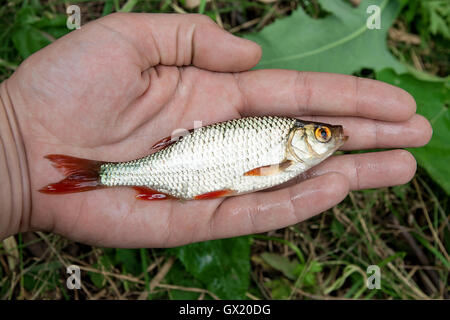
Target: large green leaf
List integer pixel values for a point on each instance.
(432, 100)
(340, 42)
(223, 266)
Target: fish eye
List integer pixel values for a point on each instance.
(323, 134)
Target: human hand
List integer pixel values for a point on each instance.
(110, 90)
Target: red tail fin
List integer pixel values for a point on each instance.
(82, 174)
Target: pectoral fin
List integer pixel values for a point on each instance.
(269, 170)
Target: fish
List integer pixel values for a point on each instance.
(223, 159)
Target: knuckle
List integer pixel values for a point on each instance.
(357, 178)
(302, 92)
(356, 93)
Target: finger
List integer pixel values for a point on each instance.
(368, 134)
(178, 40)
(264, 211)
(293, 93)
(370, 170)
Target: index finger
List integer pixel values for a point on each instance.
(295, 93)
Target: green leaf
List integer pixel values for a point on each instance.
(305, 274)
(296, 249)
(432, 100)
(340, 42)
(128, 6)
(439, 12)
(337, 228)
(53, 21)
(31, 33)
(26, 15)
(281, 263)
(391, 258)
(436, 252)
(99, 280)
(129, 258)
(201, 8)
(42, 276)
(29, 282)
(348, 271)
(108, 7)
(179, 276)
(28, 40)
(280, 289)
(222, 265)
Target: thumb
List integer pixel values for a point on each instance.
(184, 39)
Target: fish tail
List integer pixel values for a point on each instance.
(81, 174)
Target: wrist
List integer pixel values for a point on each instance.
(15, 196)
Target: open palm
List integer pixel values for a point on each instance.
(110, 90)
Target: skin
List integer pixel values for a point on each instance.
(110, 90)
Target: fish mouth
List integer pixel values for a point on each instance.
(338, 132)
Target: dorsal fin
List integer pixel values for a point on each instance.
(167, 141)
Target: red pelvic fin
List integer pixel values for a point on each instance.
(214, 194)
(81, 174)
(167, 141)
(269, 170)
(145, 193)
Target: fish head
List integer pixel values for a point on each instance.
(313, 142)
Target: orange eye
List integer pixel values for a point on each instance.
(323, 134)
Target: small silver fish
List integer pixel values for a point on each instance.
(223, 159)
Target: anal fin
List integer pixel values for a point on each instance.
(270, 169)
(145, 193)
